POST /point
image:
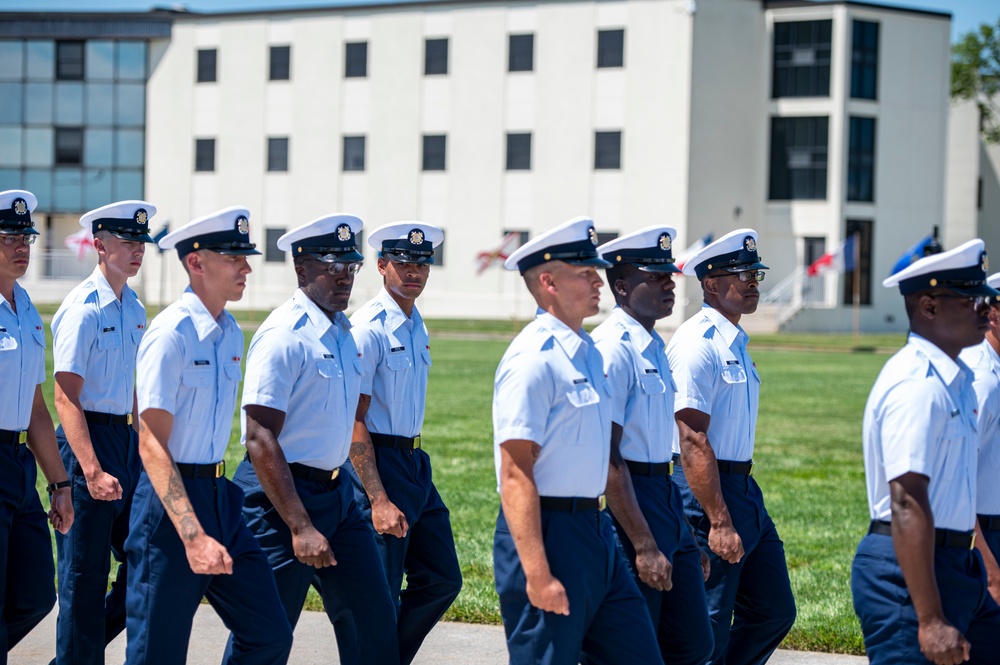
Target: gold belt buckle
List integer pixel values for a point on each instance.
(22, 436)
(335, 473)
(128, 419)
(602, 502)
(220, 469)
(972, 543)
(751, 468)
(670, 469)
(416, 441)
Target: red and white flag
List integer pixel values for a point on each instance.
(694, 248)
(841, 259)
(508, 244)
(82, 241)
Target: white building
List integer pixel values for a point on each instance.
(806, 121)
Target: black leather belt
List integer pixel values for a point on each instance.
(650, 468)
(989, 522)
(311, 473)
(216, 470)
(571, 504)
(965, 540)
(393, 441)
(97, 418)
(742, 468)
(13, 436)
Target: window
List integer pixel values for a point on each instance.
(436, 56)
(521, 234)
(281, 57)
(610, 48)
(204, 154)
(271, 252)
(354, 153)
(861, 160)
(69, 61)
(518, 152)
(863, 227)
(798, 158)
(801, 59)
(608, 150)
(606, 236)
(69, 146)
(864, 60)
(356, 59)
(206, 65)
(277, 154)
(434, 152)
(521, 53)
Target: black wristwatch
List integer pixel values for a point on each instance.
(52, 487)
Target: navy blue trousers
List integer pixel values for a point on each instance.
(164, 593)
(90, 616)
(884, 606)
(992, 539)
(680, 616)
(355, 593)
(750, 602)
(426, 555)
(608, 620)
(27, 588)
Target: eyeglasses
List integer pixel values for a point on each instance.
(977, 302)
(25, 238)
(744, 276)
(338, 268)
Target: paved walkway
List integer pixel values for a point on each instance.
(448, 644)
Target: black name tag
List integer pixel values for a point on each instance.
(579, 381)
(111, 329)
(652, 371)
(201, 363)
(328, 355)
(732, 362)
(397, 349)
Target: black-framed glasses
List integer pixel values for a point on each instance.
(744, 276)
(338, 267)
(19, 238)
(977, 302)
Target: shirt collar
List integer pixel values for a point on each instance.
(105, 294)
(319, 321)
(570, 340)
(991, 355)
(20, 300)
(394, 316)
(730, 333)
(640, 337)
(947, 368)
(204, 324)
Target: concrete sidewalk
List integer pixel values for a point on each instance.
(448, 644)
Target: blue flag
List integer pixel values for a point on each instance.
(912, 254)
(161, 234)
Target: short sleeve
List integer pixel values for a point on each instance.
(158, 365)
(74, 331)
(369, 344)
(988, 401)
(911, 421)
(621, 376)
(694, 370)
(522, 399)
(272, 369)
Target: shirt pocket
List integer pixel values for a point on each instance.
(137, 334)
(197, 400)
(582, 395)
(10, 360)
(651, 385)
(732, 374)
(328, 376)
(425, 354)
(109, 344)
(400, 361)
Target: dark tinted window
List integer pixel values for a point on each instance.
(281, 59)
(610, 48)
(434, 152)
(69, 146)
(608, 150)
(864, 60)
(798, 158)
(69, 61)
(356, 59)
(802, 59)
(861, 160)
(521, 53)
(204, 154)
(277, 154)
(518, 152)
(206, 65)
(354, 153)
(436, 56)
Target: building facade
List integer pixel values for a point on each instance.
(807, 121)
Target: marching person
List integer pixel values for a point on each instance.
(393, 484)
(187, 539)
(565, 589)
(95, 337)
(984, 361)
(300, 396)
(669, 567)
(749, 596)
(919, 586)
(27, 587)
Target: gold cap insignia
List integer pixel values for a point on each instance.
(593, 235)
(243, 225)
(343, 232)
(416, 237)
(665, 242)
(750, 244)
(986, 263)
(20, 206)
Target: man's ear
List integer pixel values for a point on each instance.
(927, 307)
(194, 264)
(547, 281)
(620, 287)
(300, 274)
(710, 285)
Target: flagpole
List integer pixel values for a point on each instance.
(857, 288)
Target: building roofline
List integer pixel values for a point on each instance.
(780, 4)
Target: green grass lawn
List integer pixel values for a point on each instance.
(808, 451)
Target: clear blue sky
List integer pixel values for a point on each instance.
(966, 14)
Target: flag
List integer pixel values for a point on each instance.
(841, 259)
(82, 241)
(918, 251)
(695, 247)
(507, 245)
(160, 235)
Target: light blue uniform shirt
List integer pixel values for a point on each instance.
(396, 354)
(920, 418)
(307, 366)
(715, 375)
(97, 337)
(550, 389)
(22, 359)
(642, 389)
(985, 365)
(189, 366)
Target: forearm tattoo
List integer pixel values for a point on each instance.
(364, 463)
(176, 501)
